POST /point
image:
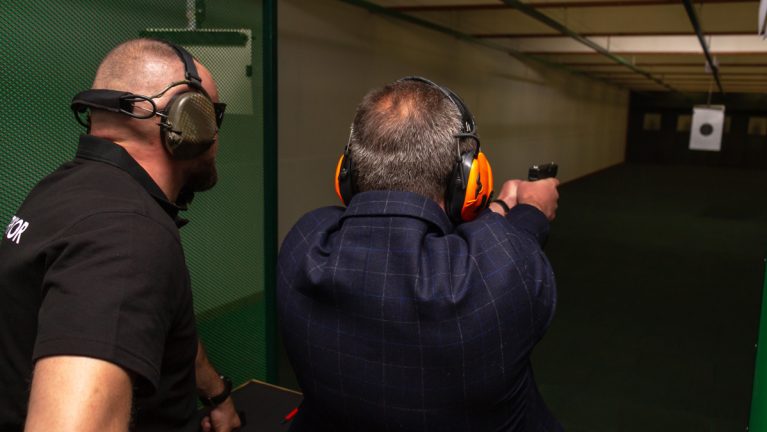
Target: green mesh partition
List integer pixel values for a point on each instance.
(50, 51)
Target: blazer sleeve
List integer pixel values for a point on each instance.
(505, 265)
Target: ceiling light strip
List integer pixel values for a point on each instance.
(551, 5)
(556, 25)
(374, 8)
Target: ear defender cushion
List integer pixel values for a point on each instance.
(191, 125)
(343, 179)
(455, 193)
(479, 188)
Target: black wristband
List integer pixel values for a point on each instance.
(503, 205)
(216, 400)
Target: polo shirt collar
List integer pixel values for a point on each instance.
(396, 203)
(102, 150)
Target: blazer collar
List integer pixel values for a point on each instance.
(396, 203)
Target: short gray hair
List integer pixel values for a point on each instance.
(124, 67)
(403, 138)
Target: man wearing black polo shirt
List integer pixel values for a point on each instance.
(97, 327)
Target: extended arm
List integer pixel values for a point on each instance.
(223, 417)
(541, 194)
(80, 394)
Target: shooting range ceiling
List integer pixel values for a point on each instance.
(643, 45)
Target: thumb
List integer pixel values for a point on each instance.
(206, 425)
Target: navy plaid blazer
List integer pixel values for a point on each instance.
(394, 320)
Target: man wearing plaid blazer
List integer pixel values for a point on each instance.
(399, 314)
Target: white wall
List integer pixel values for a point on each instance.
(331, 53)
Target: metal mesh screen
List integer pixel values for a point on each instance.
(50, 51)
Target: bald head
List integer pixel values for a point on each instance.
(141, 66)
(147, 68)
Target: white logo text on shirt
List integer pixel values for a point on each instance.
(15, 229)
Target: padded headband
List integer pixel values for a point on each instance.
(190, 70)
(468, 127)
(108, 100)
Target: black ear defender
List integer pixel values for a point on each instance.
(188, 124)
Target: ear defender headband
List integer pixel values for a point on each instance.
(470, 184)
(188, 124)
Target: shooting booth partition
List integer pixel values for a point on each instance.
(758, 418)
(51, 50)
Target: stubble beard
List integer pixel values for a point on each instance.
(203, 177)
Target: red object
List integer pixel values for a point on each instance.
(289, 416)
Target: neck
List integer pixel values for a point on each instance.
(151, 155)
(163, 172)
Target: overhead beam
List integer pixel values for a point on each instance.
(693, 15)
(721, 64)
(607, 34)
(640, 44)
(678, 80)
(552, 5)
(374, 8)
(701, 83)
(726, 76)
(657, 64)
(647, 53)
(556, 25)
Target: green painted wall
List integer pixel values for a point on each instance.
(50, 51)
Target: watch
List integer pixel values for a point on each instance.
(212, 401)
(503, 204)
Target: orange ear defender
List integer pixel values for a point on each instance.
(345, 187)
(470, 187)
(343, 179)
(479, 188)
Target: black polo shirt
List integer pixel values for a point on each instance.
(91, 265)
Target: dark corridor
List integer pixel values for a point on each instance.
(659, 270)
